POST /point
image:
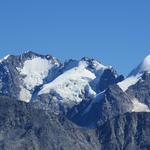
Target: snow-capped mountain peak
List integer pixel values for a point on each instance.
(25, 72)
(79, 78)
(71, 83)
(144, 66)
(34, 71)
(38, 75)
(5, 58)
(136, 74)
(30, 54)
(93, 63)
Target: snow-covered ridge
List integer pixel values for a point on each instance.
(74, 82)
(125, 84)
(71, 81)
(145, 65)
(136, 74)
(5, 58)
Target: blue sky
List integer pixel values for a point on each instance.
(116, 32)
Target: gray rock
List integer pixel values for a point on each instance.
(24, 127)
(141, 90)
(130, 131)
(113, 103)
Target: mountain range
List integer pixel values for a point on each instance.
(79, 104)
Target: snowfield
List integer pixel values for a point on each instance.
(72, 84)
(35, 71)
(125, 84)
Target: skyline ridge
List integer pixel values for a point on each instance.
(66, 60)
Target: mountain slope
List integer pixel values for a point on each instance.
(86, 92)
(74, 88)
(78, 82)
(137, 85)
(42, 79)
(129, 95)
(20, 75)
(20, 128)
(126, 132)
(105, 106)
(136, 74)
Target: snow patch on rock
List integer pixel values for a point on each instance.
(125, 84)
(139, 107)
(24, 95)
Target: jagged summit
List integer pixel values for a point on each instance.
(27, 55)
(93, 62)
(5, 58)
(39, 74)
(136, 74)
(33, 77)
(32, 54)
(144, 66)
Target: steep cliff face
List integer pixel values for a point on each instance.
(21, 75)
(126, 132)
(24, 127)
(105, 106)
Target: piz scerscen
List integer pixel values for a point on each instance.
(83, 95)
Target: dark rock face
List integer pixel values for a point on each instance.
(108, 78)
(112, 103)
(11, 79)
(126, 132)
(141, 90)
(23, 127)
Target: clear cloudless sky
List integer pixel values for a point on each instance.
(116, 32)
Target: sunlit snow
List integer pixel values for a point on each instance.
(125, 84)
(136, 74)
(35, 70)
(72, 83)
(145, 65)
(139, 107)
(5, 58)
(25, 94)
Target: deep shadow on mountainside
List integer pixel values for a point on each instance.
(24, 127)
